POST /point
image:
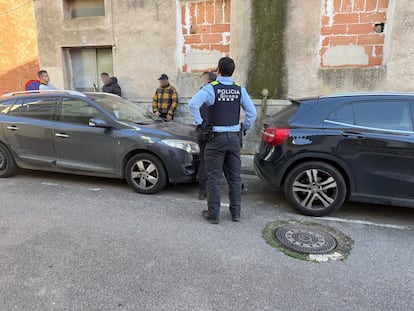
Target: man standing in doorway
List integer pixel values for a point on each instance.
(45, 83)
(110, 84)
(224, 99)
(165, 100)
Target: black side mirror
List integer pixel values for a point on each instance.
(95, 122)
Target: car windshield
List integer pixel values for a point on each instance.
(123, 109)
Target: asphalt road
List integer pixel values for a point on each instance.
(80, 243)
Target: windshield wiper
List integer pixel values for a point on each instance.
(143, 123)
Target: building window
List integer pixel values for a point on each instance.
(83, 8)
(206, 33)
(352, 33)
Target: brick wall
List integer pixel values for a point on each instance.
(352, 33)
(19, 55)
(206, 33)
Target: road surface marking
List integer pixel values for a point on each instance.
(49, 184)
(94, 189)
(363, 222)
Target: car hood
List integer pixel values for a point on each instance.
(168, 129)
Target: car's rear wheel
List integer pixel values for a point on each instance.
(145, 173)
(315, 188)
(7, 165)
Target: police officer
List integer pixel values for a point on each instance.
(207, 77)
(223, 98)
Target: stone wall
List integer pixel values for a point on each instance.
(252, 139)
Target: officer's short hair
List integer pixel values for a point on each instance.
(104, 74)
(40, 73)
(226, 66)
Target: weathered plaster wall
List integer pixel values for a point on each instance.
(399, 52)
(146, 37)
(301, 44)
(303, 41)
(142, 33)
(59, 32)
(240, 46)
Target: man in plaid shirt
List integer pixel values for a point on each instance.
(164, 101)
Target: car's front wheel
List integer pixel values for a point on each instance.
(315, 188)
(7, 164)
(145, 173)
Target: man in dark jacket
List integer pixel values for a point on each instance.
(110, 84)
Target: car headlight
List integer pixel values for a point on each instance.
(185, 145)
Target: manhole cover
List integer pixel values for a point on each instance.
(304, 239)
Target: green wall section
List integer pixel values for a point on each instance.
(266, 62)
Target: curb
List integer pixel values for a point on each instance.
(247, 164)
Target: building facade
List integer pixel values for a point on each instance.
(19, 61)
(335, 46)
(134, 40)
(348, 45)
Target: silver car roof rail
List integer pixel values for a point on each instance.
(102, 93)
(70, 92)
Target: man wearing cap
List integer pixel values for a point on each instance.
(164, 100)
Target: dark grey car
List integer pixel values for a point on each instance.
(95, 134)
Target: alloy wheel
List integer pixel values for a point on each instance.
(3, 161)
(145, 174)
(315, 189)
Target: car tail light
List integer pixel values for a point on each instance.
(275, 136)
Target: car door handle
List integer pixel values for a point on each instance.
(352, 135)
(13, 127)
(61, 135)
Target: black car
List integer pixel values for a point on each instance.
(325, 150)
(96, 134)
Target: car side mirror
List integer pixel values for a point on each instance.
(95, 122)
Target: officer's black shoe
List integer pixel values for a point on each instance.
(202, 195)
(235, 218)
(207, 217)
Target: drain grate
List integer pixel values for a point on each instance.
(305, 239)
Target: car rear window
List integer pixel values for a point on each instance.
(285, 113)
(344, 114)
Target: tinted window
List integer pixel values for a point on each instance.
(33, 108)
(343, 114)
(16, 109)
(384, 115)
(6, 105)
(77, 111)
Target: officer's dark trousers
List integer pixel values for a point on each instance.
(222, 154)
(202, 178)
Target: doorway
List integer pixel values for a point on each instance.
(87, 66)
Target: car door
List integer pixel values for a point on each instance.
(379, 146)
(79, 146)
(28, 130)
